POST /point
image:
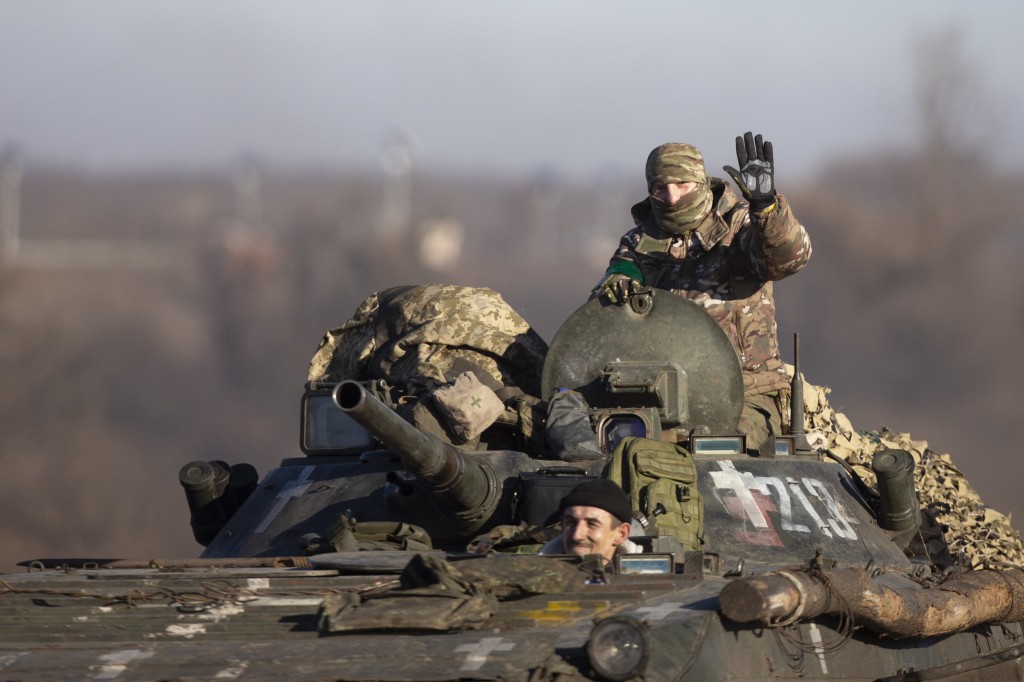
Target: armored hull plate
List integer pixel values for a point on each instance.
(180, 622)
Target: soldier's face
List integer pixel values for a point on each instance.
(589, 530)
(671, 192)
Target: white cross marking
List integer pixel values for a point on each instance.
(291, 489)
(117, 662)
(660, 612)
(477, 653)
(740, 483)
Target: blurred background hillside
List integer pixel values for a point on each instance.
(191, 197)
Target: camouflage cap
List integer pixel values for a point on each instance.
(675, 162)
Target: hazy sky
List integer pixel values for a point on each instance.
(581, 88)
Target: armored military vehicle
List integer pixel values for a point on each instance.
(351, 562)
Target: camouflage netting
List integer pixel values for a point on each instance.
(982, 534)
(411, 336)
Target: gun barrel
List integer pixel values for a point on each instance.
(460, 482)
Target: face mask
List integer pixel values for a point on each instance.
(686, 214)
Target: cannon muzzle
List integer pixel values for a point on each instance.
(461, 483)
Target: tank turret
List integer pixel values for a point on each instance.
(658, 366)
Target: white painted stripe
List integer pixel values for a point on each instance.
(116, 663)
(659, 612)
(477, 654)
(234, 672)
(818, 649)
(286, 601)
(291, 489)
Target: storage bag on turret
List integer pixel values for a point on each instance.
(654, 472)
(413, 336)
(540, 493)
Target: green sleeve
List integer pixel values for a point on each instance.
(627, 268)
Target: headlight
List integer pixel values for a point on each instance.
(619, 648)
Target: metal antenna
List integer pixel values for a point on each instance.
(796, 407)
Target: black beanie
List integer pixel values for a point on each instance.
(600, 493)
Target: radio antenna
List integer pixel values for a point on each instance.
(796, 407)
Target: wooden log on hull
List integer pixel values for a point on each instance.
(888, 604)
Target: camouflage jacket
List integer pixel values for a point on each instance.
(727, 266)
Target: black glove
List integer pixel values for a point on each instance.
(618, 288)
(756, 176)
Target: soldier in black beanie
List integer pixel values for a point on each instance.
(595, 520)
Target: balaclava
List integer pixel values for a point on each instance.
(677, 162)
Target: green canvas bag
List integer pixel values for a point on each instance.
(654, 472)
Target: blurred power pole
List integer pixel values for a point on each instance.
(543, 232)
(955, 118)
(248, 179)
(612, 218)
(11, 171)
(397, 159)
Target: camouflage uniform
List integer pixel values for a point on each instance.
(724, 259)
